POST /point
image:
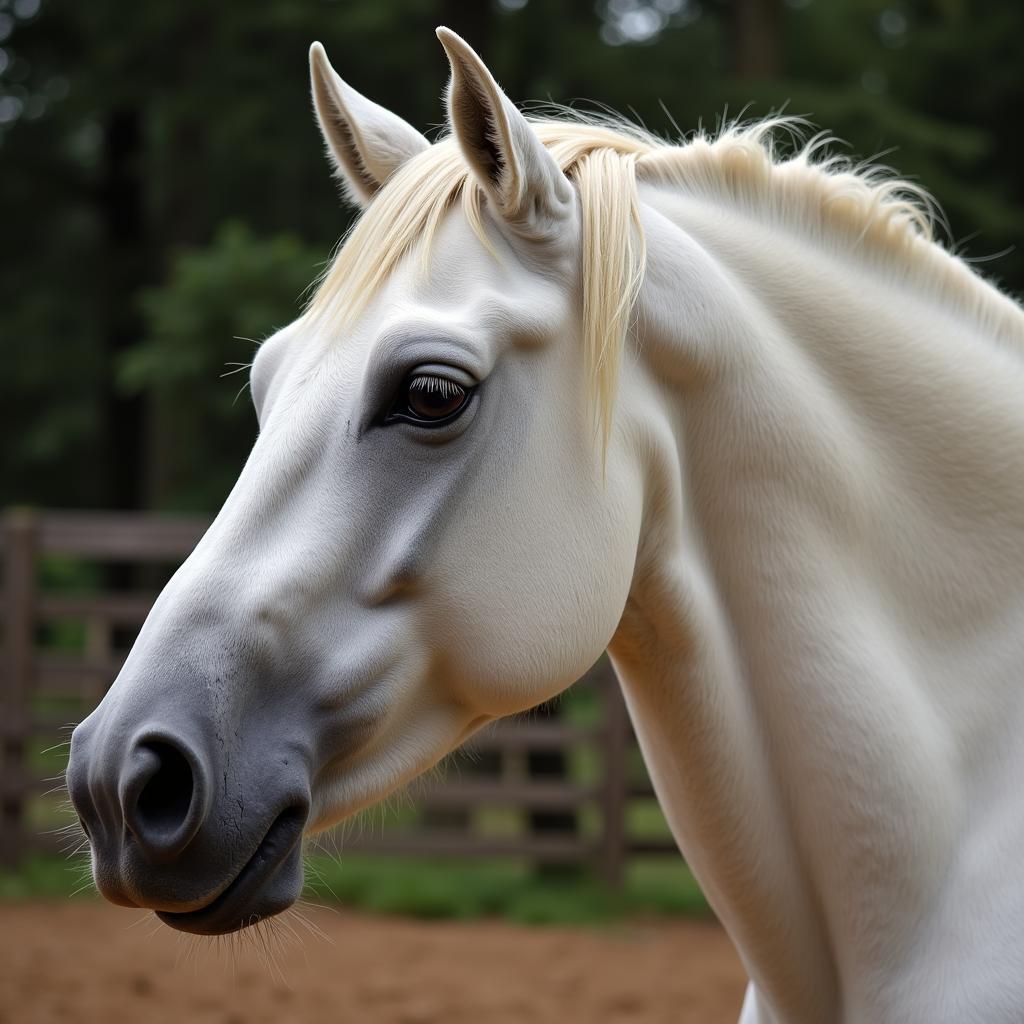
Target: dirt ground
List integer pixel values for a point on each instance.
(81, 963)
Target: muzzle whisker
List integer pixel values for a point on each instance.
(320, 878)
(261, 944)
(56, 746)
(71, 827)
(76, 851)
(61, 787)
(289, 935)
(82, 888)
(185, 954)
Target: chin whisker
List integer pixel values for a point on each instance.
(310, 925)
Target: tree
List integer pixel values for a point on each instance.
(131, 134)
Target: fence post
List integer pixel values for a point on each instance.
(19, 598)
(615, 785)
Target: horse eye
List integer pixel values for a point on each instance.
(428, 399)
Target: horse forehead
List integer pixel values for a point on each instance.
(461, 282)
(456, 284)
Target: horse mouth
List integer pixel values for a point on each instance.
(268, 883)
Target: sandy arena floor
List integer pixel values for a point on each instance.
(86, 963)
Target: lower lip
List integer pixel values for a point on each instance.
(228, 912)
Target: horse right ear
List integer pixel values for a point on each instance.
(366, 143)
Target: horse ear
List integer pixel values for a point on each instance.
(367, 143)
(516, 171)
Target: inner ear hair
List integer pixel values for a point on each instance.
(473, 108)
(351, 157)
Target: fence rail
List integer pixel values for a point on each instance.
(44, 683)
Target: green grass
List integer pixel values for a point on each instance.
(434, 889)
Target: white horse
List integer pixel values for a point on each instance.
(567, 388)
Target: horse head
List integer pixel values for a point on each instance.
(436, 526)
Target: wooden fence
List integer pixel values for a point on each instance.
(75, 596)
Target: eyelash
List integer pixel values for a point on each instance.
(448, 388)
(428, 385)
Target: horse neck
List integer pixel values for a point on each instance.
(835, 517)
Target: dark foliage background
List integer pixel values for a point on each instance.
(165, 196)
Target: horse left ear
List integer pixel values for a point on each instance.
(367, 143)
(516, 171)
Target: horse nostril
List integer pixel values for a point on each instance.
(162, 807)
(164, 801)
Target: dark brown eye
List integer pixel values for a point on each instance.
(429, 399)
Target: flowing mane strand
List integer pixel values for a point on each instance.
(839, 205)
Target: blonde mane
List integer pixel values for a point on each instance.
(861, 209)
